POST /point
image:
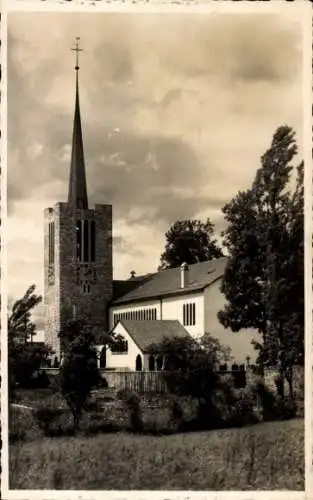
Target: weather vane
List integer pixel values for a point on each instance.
(77, 50)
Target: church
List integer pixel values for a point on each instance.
(78, 282)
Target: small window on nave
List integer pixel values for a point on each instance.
(189, 314)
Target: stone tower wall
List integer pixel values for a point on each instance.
(65, 297)
(51, 285)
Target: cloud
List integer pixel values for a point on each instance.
(176, 113)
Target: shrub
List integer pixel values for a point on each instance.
(282, 409)
(94, 423)
(42, 381)
(54, 421)
(183, 412)
(244, 409)
(93, 406)
(222, 403)
(177, 413)
(132, 401)
(266, 397)
(22, 425)
(158, 422)
(55, 382)
(274, 406)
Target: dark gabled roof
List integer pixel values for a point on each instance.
(123, 287)
(146, 333)
(165, 283)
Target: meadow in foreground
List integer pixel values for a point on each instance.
(264, 456)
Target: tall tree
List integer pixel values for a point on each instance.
(264, 278)
(24, 358)
(20, 326)
(189, 241)
(79, 372)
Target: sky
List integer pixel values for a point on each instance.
(176, 113)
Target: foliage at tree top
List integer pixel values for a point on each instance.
(189, 241)
(186, 353)
(20, 327)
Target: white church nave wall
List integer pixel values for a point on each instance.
(166, 308)
(240, 342)
(125, 360)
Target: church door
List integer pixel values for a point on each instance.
(138, 363)
(151, 363)
(159, 363)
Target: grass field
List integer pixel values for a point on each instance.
(264, 456)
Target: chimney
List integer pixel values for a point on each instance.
(132, 275)
(184, 275)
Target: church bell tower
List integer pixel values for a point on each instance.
(77, 249)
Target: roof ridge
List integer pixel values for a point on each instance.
(201, 275)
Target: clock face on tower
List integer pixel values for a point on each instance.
(85, 273)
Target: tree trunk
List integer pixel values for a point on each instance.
(289, 378)
(76, 421)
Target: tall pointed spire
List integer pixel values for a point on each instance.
(77, 194)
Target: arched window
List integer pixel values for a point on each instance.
(151, 363)
(103, 358)
(138, 363)
(165, 362)
(159, 363)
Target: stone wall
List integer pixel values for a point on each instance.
(298, 381)
(270, 374)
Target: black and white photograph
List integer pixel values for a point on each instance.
(155, 251)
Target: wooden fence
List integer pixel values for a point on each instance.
(150, 381)
(135, 381)
(146, 381)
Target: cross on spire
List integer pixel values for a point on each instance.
(77, 49)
